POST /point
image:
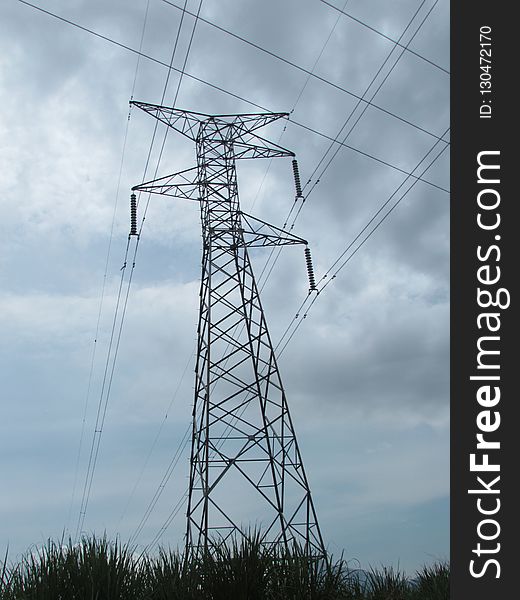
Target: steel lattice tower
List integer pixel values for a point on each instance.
(246, 469)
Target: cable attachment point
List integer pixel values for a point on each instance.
(133, 214)
(310, 270)
(297, 182)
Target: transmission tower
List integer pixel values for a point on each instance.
(246, 470)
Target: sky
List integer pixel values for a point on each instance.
(366, 371)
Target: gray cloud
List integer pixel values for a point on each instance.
(366, 373)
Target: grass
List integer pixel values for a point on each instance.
(96, 569)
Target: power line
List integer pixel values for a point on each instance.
(170, 469)
(162, 485)
(224, 91)
(143, 29)
(156, 125)
(91, 371)
(318, 58)
(304, 70)
(166, 524)
(100, 423)
(180, 446)
(101, 410)
(183, 70)
(302, 307)
(297, 101)
(94, 452)
(143, 54)
(342, 11)
(154, 443)
(375, 158)
(373, 96)
(277, 251)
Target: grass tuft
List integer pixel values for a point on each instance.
(433, 582)
(97, 569)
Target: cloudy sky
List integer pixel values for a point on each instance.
(366, 372)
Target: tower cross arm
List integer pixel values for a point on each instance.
(258, 233)
(187, 122)
(249, 145)
(183, 184)
(251, 122)
(183, 121)
(243, 151)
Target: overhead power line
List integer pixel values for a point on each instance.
(373, 95)
(305, 306)
(180, 446)
(175, 460)
(277, 251)
(300, 94)
(84, 501)
(304, 70)
(112, 358)
(143, 54)
(363, 24)
(224, 91)
(372, 156)
(318, 58)
(182, 72)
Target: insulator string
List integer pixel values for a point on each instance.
(133, 214)
(297, 182)
(310, 270)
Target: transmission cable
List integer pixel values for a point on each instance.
(91, 370)
(101, 416)
(276, 251)
(155, 441)
(182, 444)
(304, 198)
(343, 264)
(304, 87)
(297, 318)
(182, 73)
(304, 70)
(101, 410)
(383, 81)
(143, 54)
(318, 59)
(279, 141)
(383, 35)
(162, 485)
(220, 89)
(175, 510)
(156, 123)
(183, 69)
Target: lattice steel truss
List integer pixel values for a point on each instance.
(246, 471)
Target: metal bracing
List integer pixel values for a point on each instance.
(246, 470)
